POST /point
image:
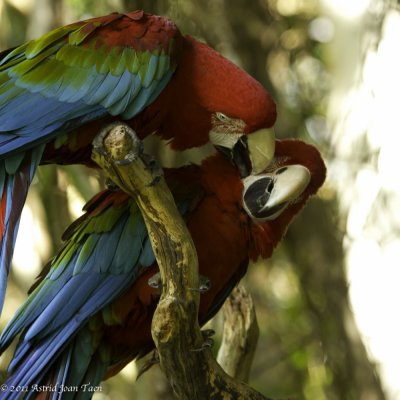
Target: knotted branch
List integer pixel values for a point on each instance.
(187, 363)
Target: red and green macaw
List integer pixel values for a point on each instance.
(91, 311)
(57, 91)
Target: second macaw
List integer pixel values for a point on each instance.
(91, 311)
(57, 91)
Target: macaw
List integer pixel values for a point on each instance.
(57, 91)
(90, 312)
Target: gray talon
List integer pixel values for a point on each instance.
(204, 285)
(156, 171)
(99, 149)
(207, 333)
(155, 281)
(208, 343)
(125, 161)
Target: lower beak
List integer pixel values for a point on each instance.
(267, 195)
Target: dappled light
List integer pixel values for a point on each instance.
(327, 300)
(365, 145)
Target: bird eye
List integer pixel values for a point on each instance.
(222, 117)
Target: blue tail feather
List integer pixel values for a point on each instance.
(14, 191)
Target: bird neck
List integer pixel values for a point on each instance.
(222, 180)
(289, 152)
(178, 114)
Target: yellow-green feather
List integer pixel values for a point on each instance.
(36, 46)
(29, 64)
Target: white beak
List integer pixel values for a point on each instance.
(265, 196)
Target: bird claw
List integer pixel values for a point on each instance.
(208, 341)
(99, 149)
(207, 344)
(207, 333)
(155, 281)
(156, 171)
(204, 285)
(125, 161)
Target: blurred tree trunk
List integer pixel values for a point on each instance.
(54, 199)
(153, 385)
(152, 6)
(46, 15)
(320, 267)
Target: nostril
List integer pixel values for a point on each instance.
(280, 170)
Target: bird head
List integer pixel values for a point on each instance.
(250, 153)
(211, 100)
(271, 199)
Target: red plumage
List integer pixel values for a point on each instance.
(204, 83)
(225, 239)
(227, 231)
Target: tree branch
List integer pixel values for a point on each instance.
(184, 356)
(240, 336)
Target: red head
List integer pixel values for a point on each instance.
(211, 99)
(270, 200)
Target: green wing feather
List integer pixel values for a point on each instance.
(115, 65)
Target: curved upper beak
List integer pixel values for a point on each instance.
(261, 149)
(266, 196)
(251, 153)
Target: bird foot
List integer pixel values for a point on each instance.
(155, 281)
(207, 344)
(208, 340)
(152, 165)
(207, 333)
(204, 285)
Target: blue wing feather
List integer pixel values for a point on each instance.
(122, 86)
(63, 305)
(58, 321)
(64, 80)
(42, 87)
(14, 190)
(71, 292)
